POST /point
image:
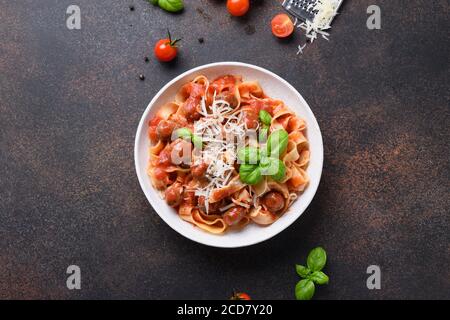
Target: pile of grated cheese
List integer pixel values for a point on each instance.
(219, 153)
(326, 11)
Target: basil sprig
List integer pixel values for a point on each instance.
(169, 5)
(257, 163)
(311, 274)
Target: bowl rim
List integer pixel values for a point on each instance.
(142, 122)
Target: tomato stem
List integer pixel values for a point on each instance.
(172, 43)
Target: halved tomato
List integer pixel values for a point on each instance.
(282, 25)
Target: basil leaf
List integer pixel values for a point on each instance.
(183, 133)
(277, 143)
(273, 167)
(249, 155)
(263, 133)
(197, 141)
(317, 259)
(302, 271)
(154, 2)
(266, 164)
(304, 290)
(171, 5)
(265, 117)
(250, 174)
(319, 277)
(281, 171)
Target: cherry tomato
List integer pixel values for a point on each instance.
(282, 25)
(240, 296)
(238, 7)
(166, 49)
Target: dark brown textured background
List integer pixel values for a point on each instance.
(70, 102)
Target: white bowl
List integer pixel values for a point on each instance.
(275, 87)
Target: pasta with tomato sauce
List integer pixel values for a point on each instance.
(224, 154)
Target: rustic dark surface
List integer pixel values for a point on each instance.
(70, 102)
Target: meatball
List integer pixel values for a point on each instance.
(164, 157)
(234, 215)
(164, 129)
(190, 109)
(199, 170)
(174, 194)
(273, 201)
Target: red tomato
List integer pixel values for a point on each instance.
(240, 296)
(166, 49)
(282, 25)
(238, 7)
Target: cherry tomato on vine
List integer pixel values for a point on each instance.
(166, 49)
(238, 7)
(282, 25)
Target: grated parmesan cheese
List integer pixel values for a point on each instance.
(326, 11)
(218, 121)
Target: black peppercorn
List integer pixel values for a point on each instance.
(142, 77)
(146, 59)
(131, 8)
(201, 40)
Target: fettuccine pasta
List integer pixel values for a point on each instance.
(195, 162)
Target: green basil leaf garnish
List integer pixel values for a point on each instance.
(317, 259)
(263, 134)
(183, 133)
(169, 5)
(302, 271)
(265, 117)
(304, 290)
(249, 155)
(197, 141)
(250, 174)
(319, 277)
(281, 171)
(273, 167)
(277, 143)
